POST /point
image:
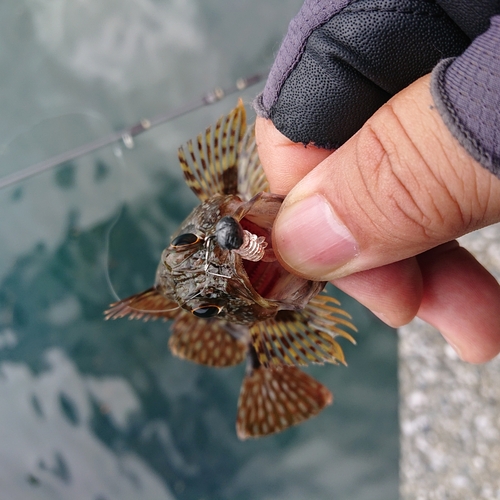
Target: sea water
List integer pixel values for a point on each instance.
(101, 410)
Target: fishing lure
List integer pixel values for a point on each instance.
(228, 295)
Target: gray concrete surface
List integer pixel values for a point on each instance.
(449, 410)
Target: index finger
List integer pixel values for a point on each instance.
(285, 162)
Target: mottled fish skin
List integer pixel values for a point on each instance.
(231, 301)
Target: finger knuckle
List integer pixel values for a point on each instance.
(408, 196)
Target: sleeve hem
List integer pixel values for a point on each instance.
(259, 108)
(452, 120)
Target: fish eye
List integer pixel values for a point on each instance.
(184, 240)
(206, 311)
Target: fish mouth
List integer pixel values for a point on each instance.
(271, 280)
(264, 275)
(267, 276)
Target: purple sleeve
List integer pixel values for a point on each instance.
(466, 91)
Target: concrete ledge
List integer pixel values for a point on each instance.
(449, 410)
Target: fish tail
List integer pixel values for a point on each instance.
(273, 399)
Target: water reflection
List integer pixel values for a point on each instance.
(49, 445)
(103, 407)
(101, 410)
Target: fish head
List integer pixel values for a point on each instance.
(209, 279)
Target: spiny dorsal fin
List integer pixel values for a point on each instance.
(271, 400)
(205, 341)
(211, 165)
(302, 337)
(150, 304)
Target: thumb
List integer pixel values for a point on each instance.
(402, 185)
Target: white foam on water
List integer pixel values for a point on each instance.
(46, 455)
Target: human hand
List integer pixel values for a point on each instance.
(378, 218)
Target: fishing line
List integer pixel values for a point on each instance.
(107, 252)
(207, 262)
(126, 135)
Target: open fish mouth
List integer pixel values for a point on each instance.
(266, 275)
(263, 273)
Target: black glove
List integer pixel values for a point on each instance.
(341, 60)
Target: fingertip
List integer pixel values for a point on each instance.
(285, 162)
(469, 352)
(462, 300)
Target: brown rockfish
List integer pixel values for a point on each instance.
(228, 295)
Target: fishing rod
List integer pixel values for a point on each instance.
(126, 135)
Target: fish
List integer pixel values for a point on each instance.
(230, 299)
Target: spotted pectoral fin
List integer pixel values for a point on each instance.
(205, 341)
(150, 304)
(271, 400)
(211, 165)
(302, 337)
